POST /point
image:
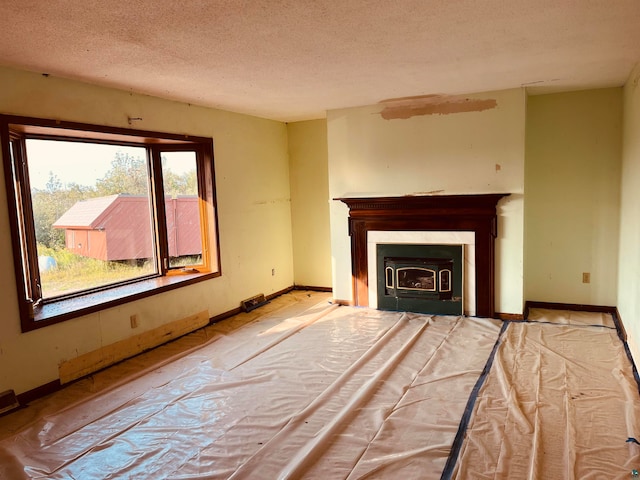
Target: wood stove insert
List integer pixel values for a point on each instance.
(420, 278)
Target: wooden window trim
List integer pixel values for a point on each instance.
(69, 308)
(57, 310)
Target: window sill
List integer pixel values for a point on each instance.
(59, 311)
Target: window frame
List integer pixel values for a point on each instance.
(14, 130)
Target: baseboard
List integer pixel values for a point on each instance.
(280, 292)
(236, 311)
(509, 317)
(630, 346)
(312, 288)
(30, 395)
(633, 353)
(619, 325)
(568, 306)
(225, 315)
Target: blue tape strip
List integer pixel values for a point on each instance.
(618, 324)
(572, 325)
(466, 416)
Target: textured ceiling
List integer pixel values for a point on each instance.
(294, 60)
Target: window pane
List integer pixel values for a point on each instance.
(92, 214)
(180, 184)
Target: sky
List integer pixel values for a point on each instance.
(72, 162)
(79, 162)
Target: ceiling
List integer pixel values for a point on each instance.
(292, 60)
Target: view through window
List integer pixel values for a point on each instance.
(180, 184)
(91, 213)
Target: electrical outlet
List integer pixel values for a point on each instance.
(134, 320)
(586, 277)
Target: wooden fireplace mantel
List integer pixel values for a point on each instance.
(475, 213)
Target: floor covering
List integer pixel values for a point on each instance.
(560, 401)
(301, 388)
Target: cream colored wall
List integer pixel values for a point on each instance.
(310, 203)
(254, 211)
(629, 257)
(572, 185)
(473, 152)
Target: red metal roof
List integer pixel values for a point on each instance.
(86, 213)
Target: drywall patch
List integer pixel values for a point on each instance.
(407, 107)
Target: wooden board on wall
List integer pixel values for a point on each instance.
(108, 355)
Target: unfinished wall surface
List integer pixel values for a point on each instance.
(433, 145)
(254, 214)
(572, 188)
(629, 255)
(310, 203)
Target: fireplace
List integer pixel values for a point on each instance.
(420, 278)
(474, 214)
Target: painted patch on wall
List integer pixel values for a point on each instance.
(407, 107)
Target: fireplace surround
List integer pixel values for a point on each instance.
(444, 213)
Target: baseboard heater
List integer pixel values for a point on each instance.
(253, 302)
(8, 401)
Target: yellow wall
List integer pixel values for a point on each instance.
(572, 184)
(253, 192)
(275, 184)
(629, 259)
(458, 153)
(310, 203)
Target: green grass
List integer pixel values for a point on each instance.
(185, 261)
(75, 272)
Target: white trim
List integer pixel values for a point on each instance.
(468, 239)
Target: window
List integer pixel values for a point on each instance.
(103, 215)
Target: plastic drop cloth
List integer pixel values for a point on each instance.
(559, 402)
(331, 393)
(566, 317)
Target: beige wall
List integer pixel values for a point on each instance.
(310, 203)
(571, 162)
(472, 152)
(572, 184)
(253, 194)
(629, 258)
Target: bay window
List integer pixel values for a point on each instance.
(101, 216)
